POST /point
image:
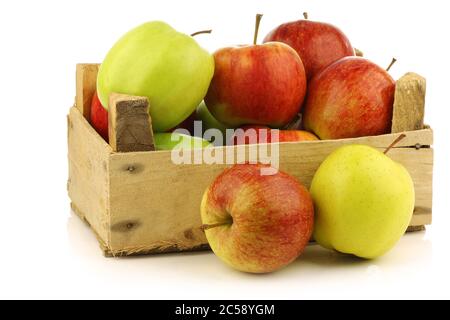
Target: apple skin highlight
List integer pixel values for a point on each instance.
(266, 220)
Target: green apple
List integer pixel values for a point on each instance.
(208, 120)
(156, 61)
(170, 141)
(364, 201)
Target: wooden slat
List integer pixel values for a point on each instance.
(130, 125)
(409, 103)
(86, 85)
(88, 173)
(419, 138)
(155, 208)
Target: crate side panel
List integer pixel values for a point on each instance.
(88, 173)
(422, 137)
(156, 205)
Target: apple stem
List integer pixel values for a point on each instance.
(392, 63)
(359, 53)
(257, 23)
(200, 32)
(400, 138)
(295, 123)
(215, 225)
(305, 15)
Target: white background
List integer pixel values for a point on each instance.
(46, 252)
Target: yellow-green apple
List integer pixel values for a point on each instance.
(187, 124)
(157, 62)
(99, 117)
(257, 84)
(208, 120)
(209, 123)
(257, 223)
(364, 201)
(174, 140)
(353, 97)
(318, 44)
(263, 134)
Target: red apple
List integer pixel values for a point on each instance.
(259, 84)
(318, 44)
(262, 134)
(351, 98)
(99, 117)
(257, 223)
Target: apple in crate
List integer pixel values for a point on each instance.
(157, 62)
(257, 223)
(364, 201)
(353, 97)
(263, 134)
(208, 120)
(318, 44)
(171, 141)
(187, 124)
(99, 117)
(257, 84)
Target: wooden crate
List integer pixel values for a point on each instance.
(142, 203)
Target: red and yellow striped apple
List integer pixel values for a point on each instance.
(318, 44)
(257, 223)
(257, 84)
(353, 97)
(262, 134)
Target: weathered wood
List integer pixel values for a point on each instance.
(101, 240)
(409, 103)
(416, 229)
(86, 83)
(89, 173)
(130, 127)
(166, 217)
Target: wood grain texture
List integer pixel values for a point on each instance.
(130, 126)
(82, 216)
(86, 82)
(156, 206)
(409, 103)
(88, 183)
